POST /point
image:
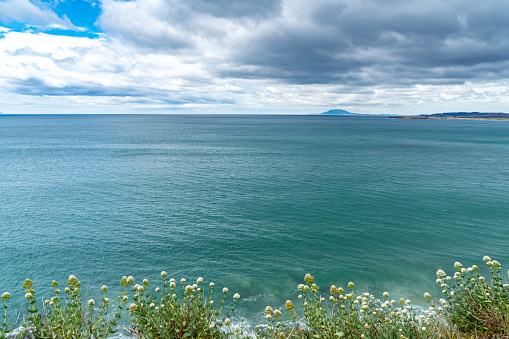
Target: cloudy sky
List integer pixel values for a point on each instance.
(253, 56)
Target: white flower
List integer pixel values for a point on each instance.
(277, 313)
(495, 263)
(475, 268)
(225, 290)
(470, 269)
(199, 280)
(164, 274)
(152, 305)
(236, 296)
(28, 295)
(124, 298)
(440, 274)
(172, 279)
(145, 281)
(268, 316)
(301, 287)
(140, 288)
(106, 300)
(386, 294)
(211, 284)
(91, 302)
(269, 310)
(300, 296)
(427, 296)
(351, 285)
(104, 288)
(183, 280)
(158, 289)
(482, 278)
(173, 285)
(6, 295)
(132, 307)
(463, 270)
(130, 279)
(227, 321)
(211, 302)
(486, 258)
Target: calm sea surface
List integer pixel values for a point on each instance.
(250, 202)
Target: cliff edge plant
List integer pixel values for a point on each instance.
(179, 312)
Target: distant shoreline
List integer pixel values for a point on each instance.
(419, 117)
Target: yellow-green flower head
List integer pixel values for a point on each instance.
(124, 298)
(51, 303)
(225, 289)
(440, 273)
(183, 280)
(211, 284)
(486, 258)
(277, 313)
(199, 280)
(6, 295)
(104, 288)
(301, 287)
(27, 283)
(123, 281)
(458, 265)
(386, 294)
(475, 268)
(333, 289)
(189, 289)
(54, 283)
(289, 305)
(331, 298)
(236, 296)
(140, 288)
(72, 281)
(401, 301)
(130, 279)
(133, 307)
(236, 329)
(457, 275)
(91, 302)
(351, 285)
(366, 326)
(407, 301)
(306, 288)
(314, 287)
(495, 263)
(227, 321)
(427, 296)
(164, 275)
(145, 282)
(309, 278)
(173, 285)
(106, 300)
(57, 291)
(28, 295)
(46, 302)
(269, 310)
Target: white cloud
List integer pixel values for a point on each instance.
(292, 57)
(26, 12)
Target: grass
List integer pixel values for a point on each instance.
(471, 307)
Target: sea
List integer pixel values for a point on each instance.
(250, 202)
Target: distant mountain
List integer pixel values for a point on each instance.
(337, 112)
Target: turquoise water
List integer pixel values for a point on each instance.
(250, 202)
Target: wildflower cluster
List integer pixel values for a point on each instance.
(349, 315)
(180, 312)
(473, 304)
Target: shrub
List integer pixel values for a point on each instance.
(70, 318)
(474, 305)
(348, 315)
(185, 312)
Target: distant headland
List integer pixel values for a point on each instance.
(458, 116)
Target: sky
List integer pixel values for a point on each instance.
(254, 56)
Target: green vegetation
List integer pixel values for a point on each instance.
(471, 307)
